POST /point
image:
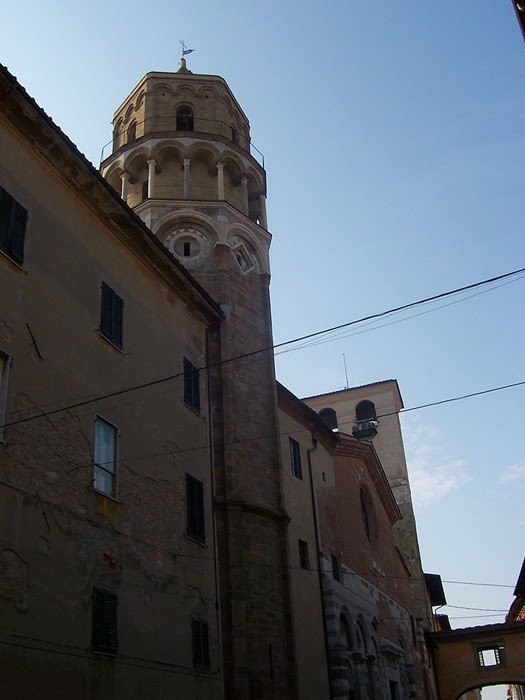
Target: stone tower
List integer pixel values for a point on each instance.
(182, 159)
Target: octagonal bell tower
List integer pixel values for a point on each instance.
(183, 160)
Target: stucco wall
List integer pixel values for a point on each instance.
(59, 537)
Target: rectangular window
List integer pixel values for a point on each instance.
(4, 370)
(195, 508)
(187, 249)
(304, 559)
(144, 190)
(105, 470)
(13, 221)
(295, 458)
(490, 655)
(104, 635)
(201, 648)
(111, 315)
(192, 395)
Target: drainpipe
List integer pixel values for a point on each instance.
(309, 452)
(214, 527)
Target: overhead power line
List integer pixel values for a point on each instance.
(268, 436)
(308, 336)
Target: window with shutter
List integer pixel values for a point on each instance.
(111, 315)
(105, 633)
(13, 221)
(195, 508)
(201, 649)
(192, 396)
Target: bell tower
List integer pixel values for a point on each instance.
(183, 160)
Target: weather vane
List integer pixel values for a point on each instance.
(185, 49)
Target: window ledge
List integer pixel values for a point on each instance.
(108, 340)
(106, 495)
(12, 260)
(107, 654)
(202, 543)
(193, 409)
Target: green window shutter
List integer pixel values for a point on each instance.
(5, 219)
(104, 634)
(111, 315)
(118, 317)
(18, 232)
(195, 508)
(205, 645)
(196, 638)
(106, 310)
(13, 221)
(191, 386)
(98, 641)
(111, 621)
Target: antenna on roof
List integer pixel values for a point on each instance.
(185, 49)
(346, 371)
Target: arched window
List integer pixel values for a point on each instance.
(185, 118)
(366, 513)
(329, 416)
(344, 630)
(365, 410)
(235, 135)
(360, 638)
(132, 132)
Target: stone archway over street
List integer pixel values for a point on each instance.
(474, 657)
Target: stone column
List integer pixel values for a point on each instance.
(264, 220)
(125, 177)
(152, 163)
(244, 186)
(186, 162)
(220, 181)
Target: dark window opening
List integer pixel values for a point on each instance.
(365, 410)
(201, 648)
(394, 690)
(191, 386)
(187, 249)
(132, 132)
(145, 190)
(13, 221)
(329, 417)
(235, 135)
(111, 315)
(336, 568)
(104, 633)
(304, 559)
(295, 458)
(195, 508)
(185, 119)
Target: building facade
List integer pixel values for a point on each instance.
(175, 523)
(107, 560)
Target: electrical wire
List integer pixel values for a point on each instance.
(269, 436)
(346, 334)
(211, 559)
(252, 353)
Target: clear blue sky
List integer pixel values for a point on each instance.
(395, 155)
